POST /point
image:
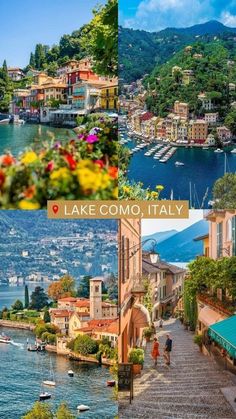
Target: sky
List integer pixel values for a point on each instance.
(24, 24)
(151, 226)
(154, 15)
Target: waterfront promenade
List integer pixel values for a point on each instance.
(190, 388)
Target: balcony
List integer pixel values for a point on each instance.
(225, 307)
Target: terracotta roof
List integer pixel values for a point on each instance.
(100, 322)
(111, 328)
(82, 303)
(146, 116)
(68, 299)
(154, 267)
(60, 313)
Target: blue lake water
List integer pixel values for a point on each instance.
(22, 372)
(9, 294)
(16, 138)
(201, 167)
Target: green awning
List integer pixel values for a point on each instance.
(224, 333)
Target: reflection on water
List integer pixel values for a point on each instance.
(16, 138)
(22, 372)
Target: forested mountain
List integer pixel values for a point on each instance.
(213, 66)
(140, 51)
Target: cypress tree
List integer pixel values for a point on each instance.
(26, 296)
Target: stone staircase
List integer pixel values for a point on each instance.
(187, 389)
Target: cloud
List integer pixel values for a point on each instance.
(154, 15)
(228, 19)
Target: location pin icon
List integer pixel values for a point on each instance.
(55, 208)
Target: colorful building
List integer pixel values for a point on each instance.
(109, 95)
(15, 73)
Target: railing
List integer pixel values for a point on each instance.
(221, 306)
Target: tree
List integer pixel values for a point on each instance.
(40, 56)
(112, 286)
(65, 287)
(46, 317)
(18, 305)
(4, 71)
(85, 345)
(230, 121)
(84, 287)
(63, 412)
(100, 39)
(32, 60)
(224, 192)
(39, 411)
(39, 299)
(26, 296)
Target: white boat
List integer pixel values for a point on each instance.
(4, 121)
(44, 396)
(233, 151)
(71, 373)
(218, 150)
(83, 407)
(5, 339)
(179, 163)
(52, 381)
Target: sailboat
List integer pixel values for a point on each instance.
(50, 382)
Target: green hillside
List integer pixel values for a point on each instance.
(213, 69)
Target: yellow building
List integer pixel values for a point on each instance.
(198, 130)
(109, 95)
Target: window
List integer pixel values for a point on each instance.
(233, 238)
(229, 229)
(219, 239)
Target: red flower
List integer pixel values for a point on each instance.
(50, 166)
(71, 161)
(113, 172)
(2, 178)
(7, 160)
(29, 192)
(100, 163)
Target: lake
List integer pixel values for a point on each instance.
(22, 372)
(16, 138)
(201, 168)
(9, 294)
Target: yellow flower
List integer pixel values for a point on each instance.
(126, 189)
(61, 174)
(154, 194)
(28, 205)
(159, 187)
(105, 181)
(88, 179)
(115, 193)
(29, 157)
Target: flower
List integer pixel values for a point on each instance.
(29, 192)
(71, 161)
(28, 205)
(100, 163)
(60, 174)
(92, 139)
(113, 172)
(29, 157)
(115, 193)
(2, 178)
(159, 187)
(50, 166)
(7, 160)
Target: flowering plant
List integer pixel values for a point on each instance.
(135, 191)
(83, 168)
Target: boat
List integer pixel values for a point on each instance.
(52, 381)
(44, 396)
(5, 339)
(83, 408)
(32, 348)
(179, 163)
(233, 151)
(218, 150)
(4, 121)
(111, 383)
(71, 373)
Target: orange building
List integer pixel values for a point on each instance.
(222, 233)
(133, 315)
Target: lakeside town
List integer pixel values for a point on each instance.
(76, 90)
(193, 306)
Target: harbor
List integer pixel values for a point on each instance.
(20, 387)
(189, 171)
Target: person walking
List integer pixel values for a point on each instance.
(155, 351)
(160, 323)
(167, 349)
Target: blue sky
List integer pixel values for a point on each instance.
(23, 24)
(154, 15)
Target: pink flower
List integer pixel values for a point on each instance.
(50, 166)
(92, 139)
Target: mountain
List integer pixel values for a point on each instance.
(158, 237)
(140, 51)
(181, 247)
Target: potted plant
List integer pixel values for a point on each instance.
(147, 333)
(198, 340)
(136, 356)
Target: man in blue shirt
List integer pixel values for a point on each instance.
(167, 349)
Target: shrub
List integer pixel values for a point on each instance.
(198, 340)
(136, 356)
(85, 345)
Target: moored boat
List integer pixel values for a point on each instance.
(44, 396)
(218, 150)
(179, 163)
(70, 373)
(5, 339)
(111, 383)
(83, 407)
(4, 121)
